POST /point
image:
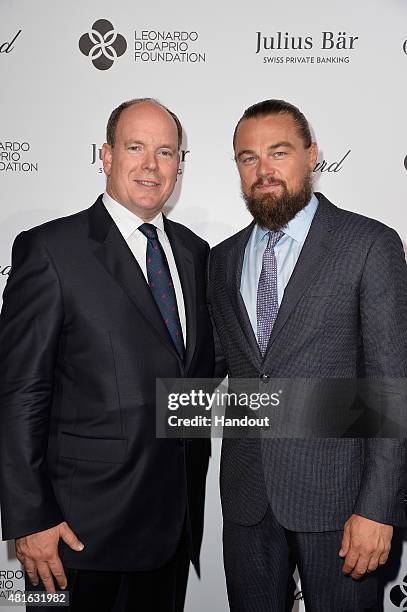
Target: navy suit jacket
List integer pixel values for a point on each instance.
(81, 345)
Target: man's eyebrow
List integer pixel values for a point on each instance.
(245, 152)
(132, 141)
(283, 143)
(168, 146)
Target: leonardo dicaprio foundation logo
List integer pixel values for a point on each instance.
(102, 44)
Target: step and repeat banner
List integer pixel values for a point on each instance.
(65, 66)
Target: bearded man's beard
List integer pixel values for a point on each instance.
(273, 211)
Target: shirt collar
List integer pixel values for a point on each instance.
(298, 227)
(126, 221)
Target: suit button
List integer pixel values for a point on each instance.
(264, 378)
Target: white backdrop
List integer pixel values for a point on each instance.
(343, 64)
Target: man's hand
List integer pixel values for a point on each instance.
(38, 553)
(365, 545)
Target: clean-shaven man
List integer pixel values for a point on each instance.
(98, 305)
(306, 291)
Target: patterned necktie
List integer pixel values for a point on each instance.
(267, 298)
(161, 285)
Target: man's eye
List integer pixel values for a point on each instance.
(279, 154)
(134, 148)
(249, 159)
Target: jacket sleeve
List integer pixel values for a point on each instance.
(30, 331)
(383, 313)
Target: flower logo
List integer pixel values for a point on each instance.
(102, 44)
(398, 595)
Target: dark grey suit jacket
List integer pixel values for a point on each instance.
(343, 314)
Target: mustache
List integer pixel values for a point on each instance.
(268, 180)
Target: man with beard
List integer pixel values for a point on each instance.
(306, 291)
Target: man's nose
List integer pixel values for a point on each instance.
(149, 161)
(265, 166)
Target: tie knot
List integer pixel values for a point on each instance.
(274, 237)
(149, 230)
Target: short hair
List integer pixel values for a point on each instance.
(278, 107)
(115, 116)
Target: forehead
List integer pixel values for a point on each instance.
(146, 120)
(267, 130)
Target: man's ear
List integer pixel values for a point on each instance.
(107, 158)
(313, 155)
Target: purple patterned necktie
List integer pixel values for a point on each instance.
(161, 285)
(267, 298)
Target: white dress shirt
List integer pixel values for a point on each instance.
(128, 224)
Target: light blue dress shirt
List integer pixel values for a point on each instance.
(287, 251)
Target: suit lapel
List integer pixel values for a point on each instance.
(233, 280)
(114, 254)
(309, 264)
(186, 270)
